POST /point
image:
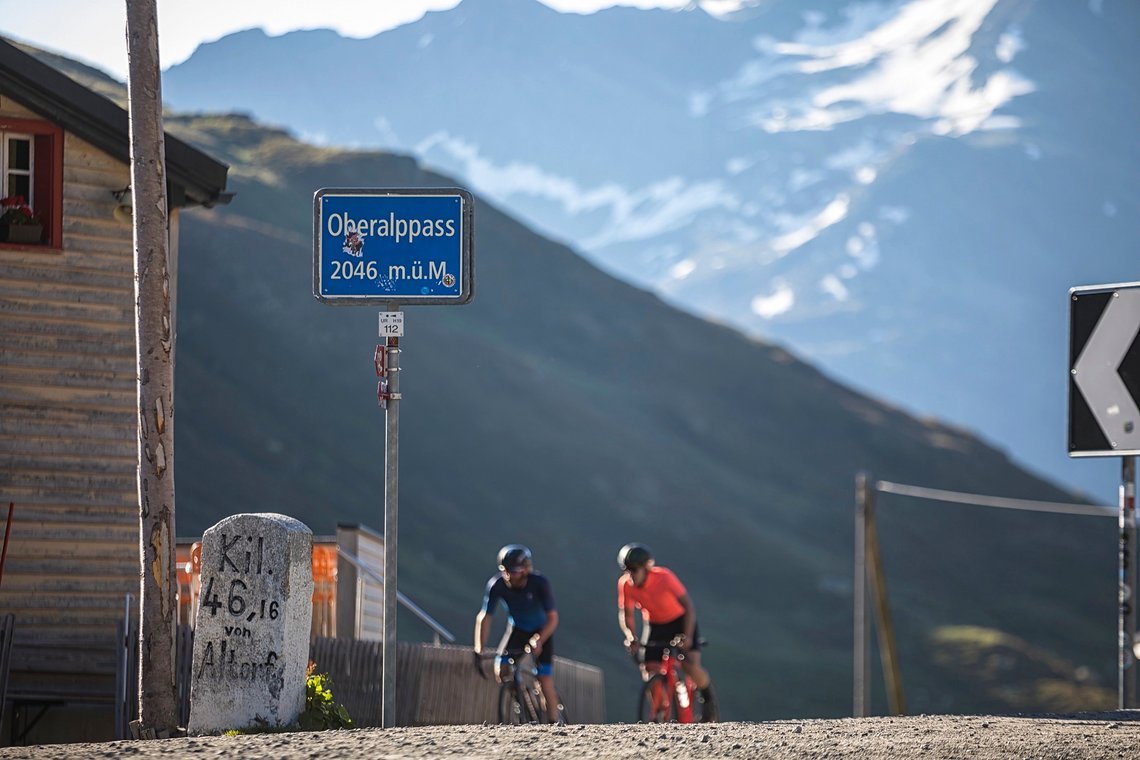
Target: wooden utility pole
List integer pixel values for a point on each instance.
(869, 573)
(154, 347)
(862, 638)
(888, 652)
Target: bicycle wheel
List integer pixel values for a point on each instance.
(539, 697)
(512, 710)
(705, 709)
(563, 716)
(656, 701)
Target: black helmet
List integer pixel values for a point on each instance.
(512, 556)
(633, 556)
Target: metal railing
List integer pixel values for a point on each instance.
(437, 629)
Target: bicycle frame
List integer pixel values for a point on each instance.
(521, 699)
(673, 692)
(525, 693)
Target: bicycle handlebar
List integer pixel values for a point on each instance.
(673, 642)
(638, 654)
(511, 654)
(505, 653)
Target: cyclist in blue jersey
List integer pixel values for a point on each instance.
(531, 619)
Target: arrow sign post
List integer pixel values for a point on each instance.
(1104, 421)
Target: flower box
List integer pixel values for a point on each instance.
(21, 233)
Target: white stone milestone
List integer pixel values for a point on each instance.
(251, 635)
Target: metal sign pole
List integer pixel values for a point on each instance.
(1126, 629)
(391, 510)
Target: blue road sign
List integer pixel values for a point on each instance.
(393, 246)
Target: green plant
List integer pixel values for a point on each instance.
(321, 712)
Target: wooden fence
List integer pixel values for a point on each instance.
(438, 685)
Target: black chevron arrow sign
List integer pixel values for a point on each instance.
(1104, 370)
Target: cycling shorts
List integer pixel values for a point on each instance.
(516, 639)
(665, 632)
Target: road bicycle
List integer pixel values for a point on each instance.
(520, 696)
(669, 694)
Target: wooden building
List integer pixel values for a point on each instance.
(68, 436)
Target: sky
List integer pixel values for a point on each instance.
(93, 31)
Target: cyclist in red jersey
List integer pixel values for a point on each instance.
(669, 615)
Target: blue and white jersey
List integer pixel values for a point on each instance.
(526, 606)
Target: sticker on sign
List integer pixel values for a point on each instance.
(391, 324)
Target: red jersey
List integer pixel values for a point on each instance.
(658, 597)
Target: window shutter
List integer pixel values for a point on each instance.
(48, 196)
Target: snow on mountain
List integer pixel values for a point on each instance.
(902, 191)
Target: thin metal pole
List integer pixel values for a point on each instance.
(123, 675)
(7, 530)
(862, 653)
(1126, 628)
(391, 510)
(979, 500)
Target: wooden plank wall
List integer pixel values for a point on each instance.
(370, 552)
(437, 685)
(368, 547)
(67, 434)
(355, 669)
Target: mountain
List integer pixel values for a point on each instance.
(901, 192)
(568, 410)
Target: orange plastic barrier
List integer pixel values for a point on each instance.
(189, 569)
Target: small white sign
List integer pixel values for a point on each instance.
(391, 324)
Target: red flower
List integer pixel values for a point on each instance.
(16, 211)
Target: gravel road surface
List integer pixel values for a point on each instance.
(1102, 735)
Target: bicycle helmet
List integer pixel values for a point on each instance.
(633, 556)
(513, 556)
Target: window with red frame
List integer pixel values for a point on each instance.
(31, 168)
